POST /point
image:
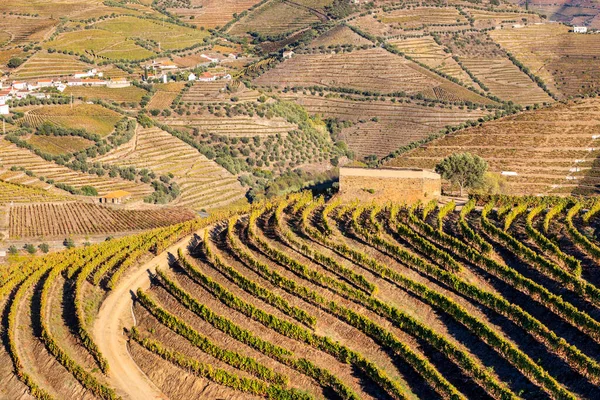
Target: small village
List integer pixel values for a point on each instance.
(155, 71)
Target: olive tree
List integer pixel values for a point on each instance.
(465, 170)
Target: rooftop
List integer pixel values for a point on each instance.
(117, 194)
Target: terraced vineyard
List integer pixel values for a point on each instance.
(380, 127)
(373, 70)
(239, 126)
(15, 193)
(565, 61)
(506, 81)
(44, 65)
(203, 183)
(130, 94)
(302, 299)
(216, 91)
(275, 18)
(427, 51)
(91, 117)
(50, 220)
(212, 13)
(554, 149)
(21, 166)
(420, 17)
(165, 94)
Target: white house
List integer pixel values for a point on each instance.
(21, 94)
(60, 87)
(288, 54)
(118, 83)
(94, 82)
(19, 85)
(4, 109)
(43, 83)
(5, 96)
(580, 29)
(75, 82)
(192, 77)
(207, 77)
(88, 74)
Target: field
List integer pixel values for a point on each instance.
(565, 61)
(203, 183)
(275, 18)
(48, 9)
(15, 193)
(339, 35)
(57, 145)
(216, 91)
(506, 81)
(307, 300)
(552, 150)
(129, 94)
(91, 117)
(113, 38)
(13, 156)
(420, 17)
(379, 127)
(49, 220)
(212, 13)
(239, 126)
(486, 19)
(165, 94)
(25, 29)
(373, 70)
(427, 51)
(44, 65)
(170, 36)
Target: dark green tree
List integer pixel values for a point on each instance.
(465, 170)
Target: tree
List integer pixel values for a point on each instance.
(30, 248)
(14, 62)
(44, 247)
(463, 169)
(69, 243)
(13, 250)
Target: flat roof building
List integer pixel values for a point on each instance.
(398, 185)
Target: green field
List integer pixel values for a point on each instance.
(128, 94)
(58, 145)
(91, 117)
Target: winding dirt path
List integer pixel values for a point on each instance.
(114, 315)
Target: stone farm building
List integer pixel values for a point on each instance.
(116, 197)
(398, 185)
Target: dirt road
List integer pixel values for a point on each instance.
(115, 314)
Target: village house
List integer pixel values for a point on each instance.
(88, 74)
(75, 82)
(19, 85)
(21, 94)
(86, 82)
(288, 54)
(207, 77)
(580, 29)
(5, 95)
(4, 109)
(44, 83)
(192, 77)
(118, 83)
(116, 197)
